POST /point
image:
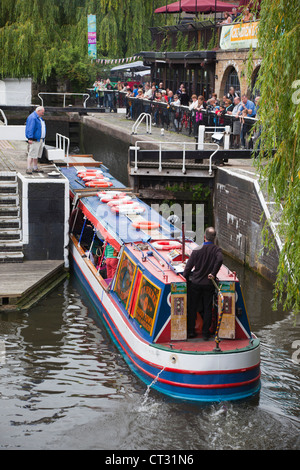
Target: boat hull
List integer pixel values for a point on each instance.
(191, 376)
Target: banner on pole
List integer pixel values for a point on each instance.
(92, 36)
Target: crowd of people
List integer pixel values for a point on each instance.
(235, 16)
(181, 109)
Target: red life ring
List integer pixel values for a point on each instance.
(166, 245)
(98, 184)
(146, 225)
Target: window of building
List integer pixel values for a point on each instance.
(232, 80)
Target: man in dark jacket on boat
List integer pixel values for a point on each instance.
(203, 265)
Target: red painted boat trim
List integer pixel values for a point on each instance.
(185, 385)
(178, 384)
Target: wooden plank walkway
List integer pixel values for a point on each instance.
(16, 280)
(24, 283)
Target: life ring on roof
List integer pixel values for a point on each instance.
(98, 184)
(94, 177)
(123, 200)
(83, 174)
(111, 194)
(166, 245)
(128, 209)
(146, 225)
(89, 170)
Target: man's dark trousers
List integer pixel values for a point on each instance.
(200, 300)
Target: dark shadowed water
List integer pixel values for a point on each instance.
(64, 385)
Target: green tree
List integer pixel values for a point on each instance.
(44, 38)
(279, 113)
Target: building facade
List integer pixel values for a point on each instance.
(216, 57)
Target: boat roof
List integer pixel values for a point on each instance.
(117, 229)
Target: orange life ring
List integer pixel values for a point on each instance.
(86, 171)
(166, 245)
(123, 200)
(89, 172)
(146, 225)
(111, 194)
(128, 209)
(93, 177)
(98, 184)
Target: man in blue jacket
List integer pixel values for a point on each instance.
(35, 132)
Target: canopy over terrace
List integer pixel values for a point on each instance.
(196, 6)
(137, 66)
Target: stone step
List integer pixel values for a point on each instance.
(11, 247)
(9, 199)
(10, 223)
(8, 176)
(9, 211)
(11, 257)
(10, 235)
(8, 188)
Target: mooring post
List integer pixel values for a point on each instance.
(201, 134)
(227, 138)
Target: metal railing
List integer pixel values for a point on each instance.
(85, 97)
(139, 120)
(63, 143)
(182, 145)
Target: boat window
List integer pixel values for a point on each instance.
(124, 279)
(147, 304)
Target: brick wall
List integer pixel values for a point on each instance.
(239, 223)
(237, 59)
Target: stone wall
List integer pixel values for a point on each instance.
(239, 222)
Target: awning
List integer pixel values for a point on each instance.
(250, 4)
(133, 66)
(199, 6)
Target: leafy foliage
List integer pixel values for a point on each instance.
(279, 112)
(44, 38)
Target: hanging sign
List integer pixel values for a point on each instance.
(239, 36)
(92, 36)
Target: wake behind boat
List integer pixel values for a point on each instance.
(143, 301)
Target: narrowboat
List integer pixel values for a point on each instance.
(143, 301)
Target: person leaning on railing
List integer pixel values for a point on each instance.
(236, 123)
(227, 19)
(247, 108)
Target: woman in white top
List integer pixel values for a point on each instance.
(194, 103)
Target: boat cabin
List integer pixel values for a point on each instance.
(147, 286)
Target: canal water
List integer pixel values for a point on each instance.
(64, 384)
